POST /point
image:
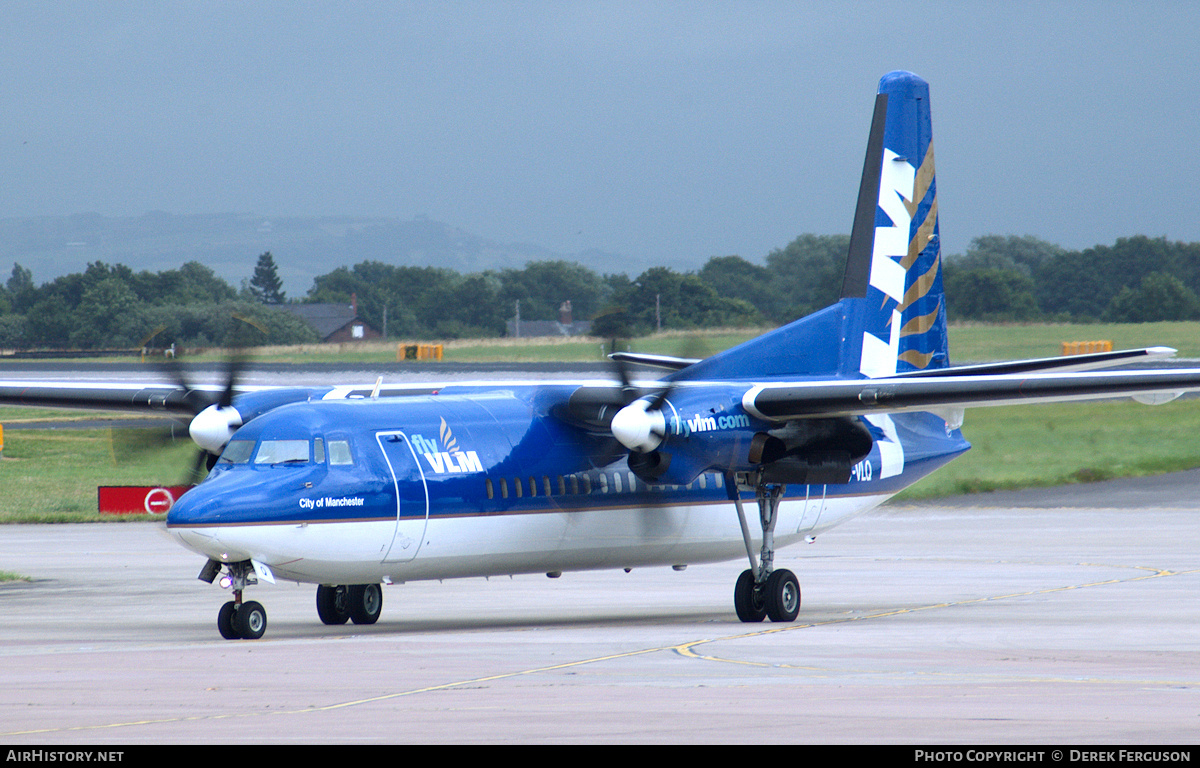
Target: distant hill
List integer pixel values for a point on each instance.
(230, 243)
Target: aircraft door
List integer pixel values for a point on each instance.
(412, 496)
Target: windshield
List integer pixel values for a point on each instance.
(282, 451)
(237, 452)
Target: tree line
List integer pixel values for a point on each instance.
(106, 307)
(999, 278)
(1136, 280)
(728, 291)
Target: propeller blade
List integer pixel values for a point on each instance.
(195, 399)
(195, 473)
(657, 403)
(629, 392)
(233, 369)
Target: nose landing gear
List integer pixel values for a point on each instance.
(238, 620)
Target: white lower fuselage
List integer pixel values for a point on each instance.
(475, 545)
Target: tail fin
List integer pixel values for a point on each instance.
(892, 316)
(895, 252)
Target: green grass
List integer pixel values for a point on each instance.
(1055, 444)
(50, 476)
(978, 343)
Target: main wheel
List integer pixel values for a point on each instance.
(332, 604)
(782, 596)
(250, 620)
(366, 603)
(748, 600)
(225, 621)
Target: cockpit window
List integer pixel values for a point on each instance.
(237, 452)
(282, 451)
(339, 453)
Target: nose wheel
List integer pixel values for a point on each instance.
(238, 620)
(244, 621)
(762, 592)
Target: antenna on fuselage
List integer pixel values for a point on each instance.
(375, 390)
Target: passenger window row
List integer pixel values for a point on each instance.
(588, 483)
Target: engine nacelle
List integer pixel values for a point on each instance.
(706, 428)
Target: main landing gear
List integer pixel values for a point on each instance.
(238, 620)
(360, 603)
(762, 592)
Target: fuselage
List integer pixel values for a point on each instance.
(476, 481)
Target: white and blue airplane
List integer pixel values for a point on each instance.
(813, 423)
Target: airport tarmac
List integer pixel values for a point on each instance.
(1056, 617)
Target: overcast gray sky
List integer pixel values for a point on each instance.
(659, 130)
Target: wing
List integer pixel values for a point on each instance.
(1060, 364)
(108, 396)
(799, 400)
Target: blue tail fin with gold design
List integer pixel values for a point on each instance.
(895, 252)
(892, 316)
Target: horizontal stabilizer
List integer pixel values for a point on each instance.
(655, 361)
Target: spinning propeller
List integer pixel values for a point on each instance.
(214, 419)
(628, 419)
(641, 426)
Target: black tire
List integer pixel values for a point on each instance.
(749, 602)
(225, 622)
(333, 604)
(365, 603)
(250, 620)
(783, 596)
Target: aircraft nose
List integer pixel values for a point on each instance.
(196, 523)
(212, 502)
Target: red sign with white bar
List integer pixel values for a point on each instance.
(138, 499)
